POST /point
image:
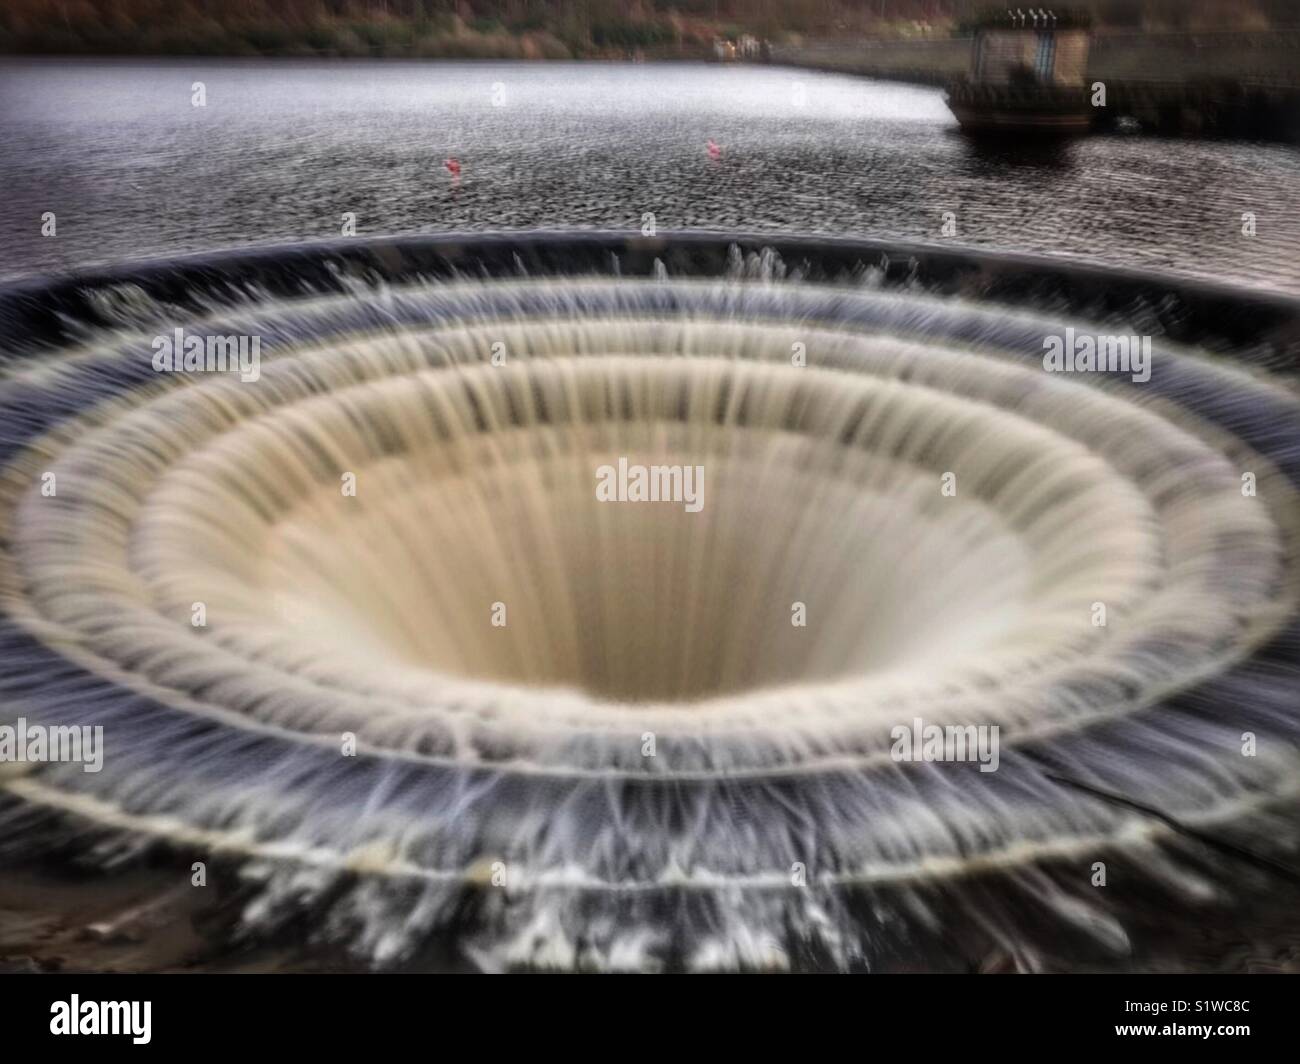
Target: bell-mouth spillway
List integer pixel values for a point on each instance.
(358, 622)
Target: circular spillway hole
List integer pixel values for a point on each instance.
(792, 526)
(649, 600)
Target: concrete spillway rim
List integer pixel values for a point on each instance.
(454, 247)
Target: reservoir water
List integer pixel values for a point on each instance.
(281, 150)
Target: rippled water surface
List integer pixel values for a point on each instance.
(284, 148)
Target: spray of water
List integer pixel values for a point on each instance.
(440, 685)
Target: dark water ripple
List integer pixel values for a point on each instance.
(283, 148)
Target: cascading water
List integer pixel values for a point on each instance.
(440, 687)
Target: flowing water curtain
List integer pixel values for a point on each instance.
(440, 686)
